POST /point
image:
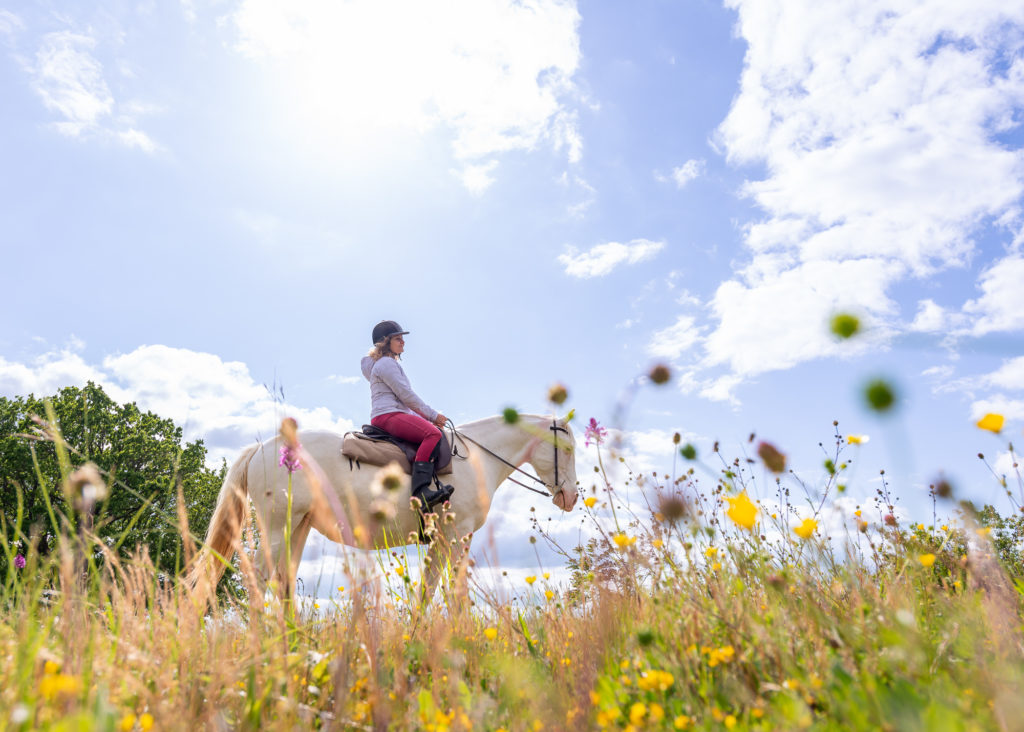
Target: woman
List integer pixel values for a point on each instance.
(398, 411)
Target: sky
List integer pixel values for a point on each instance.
(205, 206)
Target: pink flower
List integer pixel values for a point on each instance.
(290, 458)
(594, 432)
(19, 562)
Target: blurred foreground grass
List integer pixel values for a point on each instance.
(710, 611)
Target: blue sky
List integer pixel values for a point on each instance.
(201, 198)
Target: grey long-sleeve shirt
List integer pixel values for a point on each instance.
(390, 390)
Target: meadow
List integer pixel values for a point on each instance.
(712, 609)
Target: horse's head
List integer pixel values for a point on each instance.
(558, 473)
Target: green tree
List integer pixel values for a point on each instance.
(143, 458)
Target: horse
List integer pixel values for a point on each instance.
(342, 501)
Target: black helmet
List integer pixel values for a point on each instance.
(386, 329)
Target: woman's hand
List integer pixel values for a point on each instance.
(441, 420)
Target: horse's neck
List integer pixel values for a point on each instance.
(513, 443)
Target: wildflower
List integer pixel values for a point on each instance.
(879, 395)
(657, 543)
(720, 655)
(774, 460)
(857, 513)
(844, 325)
(681, 722)
(622, 541)
(594, 432)
(127, 722)
(742, 511)
(549, 594)
(86, 486)
(656, 713)
(547, 575)
(531, 579)
(730, 722)
(400, 570)
(52, 686)
(19, 562)
(711, 551)
(856, 439)
(637, 712)
(383, 508)
(390, 479)
(490, 633)
(558, 393)
(146, 722)
(806, 528)
(660, 374)
(341, 588)
(290, 458)
(991, 422)
(589, 501)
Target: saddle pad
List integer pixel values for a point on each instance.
(358, 446)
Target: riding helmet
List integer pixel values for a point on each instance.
(386, 329)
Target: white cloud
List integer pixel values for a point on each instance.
(876, 125)
(602, 259)
(338, 379)
(676, 339)
(931, 318)
(777, 318)
(10, 24)
(688, 171)
(496, 73)
(998, 404)
(69, 79)
(1001, 305)
(1008, 376)
(213, 400)
(477, 178)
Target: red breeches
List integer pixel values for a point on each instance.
(410, 427)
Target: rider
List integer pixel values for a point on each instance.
(398, 411)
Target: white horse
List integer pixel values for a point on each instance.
(332, 496)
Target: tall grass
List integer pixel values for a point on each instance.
(677, 617)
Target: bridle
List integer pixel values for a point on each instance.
(553, 490)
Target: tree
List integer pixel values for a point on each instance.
(140, 454)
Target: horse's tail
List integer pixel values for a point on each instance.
(225, 527)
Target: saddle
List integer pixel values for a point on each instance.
(374, 446)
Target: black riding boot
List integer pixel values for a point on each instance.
(422, 476)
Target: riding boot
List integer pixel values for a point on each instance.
(422, 476)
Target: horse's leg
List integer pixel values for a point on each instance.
(298, 541)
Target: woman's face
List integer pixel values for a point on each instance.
(397, 345)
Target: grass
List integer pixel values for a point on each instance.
(677, 617)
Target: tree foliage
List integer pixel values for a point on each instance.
(141, 455)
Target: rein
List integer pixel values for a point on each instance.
(552, 490)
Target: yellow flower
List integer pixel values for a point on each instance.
(622, 541)
(589, 501)
(983, 532)
(806, 528)
(531, 579)
(146, 722)
(742, 511)
(637, 712)
(490, 633)
(547, 575)
(341, 589)
(681, 722)
(757, 712)
(400, 570)
(127, 722)
(927, 559)
(856, 439)
(52, 686)
(656, 713)
(548, 594)
(657, 543)
(51, 667)
(857, 513)
(711, 551)
(716, 566)
(991, 422)
(730, 722)
(920, 527)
